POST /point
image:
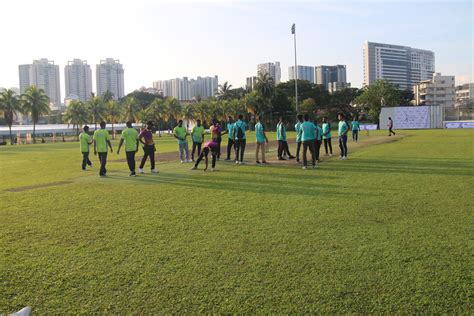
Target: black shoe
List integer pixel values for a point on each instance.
(133, 174)
(257, 161)
(264, 161)
(281, 158)
(291, 157)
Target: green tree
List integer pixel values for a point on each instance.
(130, 108)
(381, 93)
(97, 110)
(308, 106)
(112, 113)
(106, 97)
(224, 92)
(188, 111)
(343, 101)
(10, 105)
(174, 108)
(76, 114)
(36, 103)
(158, 113)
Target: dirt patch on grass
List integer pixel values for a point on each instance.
(37, 186)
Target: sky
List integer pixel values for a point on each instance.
(158, 40)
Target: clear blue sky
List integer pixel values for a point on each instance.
(164, 39)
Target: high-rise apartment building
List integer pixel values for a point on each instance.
(304, 73)
(325, 75)
(272, 69)
(337, 86)
(44, 74)
(186, 89)
(110, 77)
(250, 83)
(78, 78)
(465, 95)
(401, 65)
(437, 91)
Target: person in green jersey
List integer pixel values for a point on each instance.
(261, 140)
(327, 136)
(298, 136)
(85, 141)
(230, 136)
(197, 134)
(101, 144)
(319, 140)
(130, 138)
(342, 131)
(281, 138)
(180, 133)
(355, 129)
(308, 136)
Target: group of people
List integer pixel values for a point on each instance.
(309, 137)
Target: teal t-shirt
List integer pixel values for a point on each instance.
(326, 131)
(308, 131)
(230, 130)
(281, 132)
(240, 124)
(320, 132)
(355, 125)
(259, 133)
(342, 128)
(297, 130)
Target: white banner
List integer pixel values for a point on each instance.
(459, 124)
(368, 127)
(411, 117)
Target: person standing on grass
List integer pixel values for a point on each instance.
(342, 134)
(240, 141)
(319, 140)
(308, 137)
(197, 134)
(101, 144)
(130, 138)
(355, 129)
(261, 140)
(298, 136)
(327, 136)
(281, 138)
(180, 133)
(230, 136)
(146, 138)
(209, 147)
(390, 127)
(216, 135)
(85, 141)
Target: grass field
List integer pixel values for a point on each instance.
(389, 230)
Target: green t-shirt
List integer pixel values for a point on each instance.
(101, 136)
(355, 125)
(326, 129)
(281, 132)
(259, 133)
(308, 131)
(85, 140)
(197, 133)
(342, 128)
(130, 136)
(297, 130)
(181, 133)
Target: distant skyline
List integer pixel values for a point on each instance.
(158, 40)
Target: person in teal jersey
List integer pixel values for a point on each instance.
(281, 138)
(197, 134)
(298, 137)
(355, 129)
(261, 140)
(319, 140)
(342, 131)
(239, 136)
(327, 136)
(85, 141)
(230, 136)
(130, 138)
(101, 144)
(308, 136)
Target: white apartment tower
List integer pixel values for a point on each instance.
(440, 90)
(110, 77)
(186, 89)
(304, 73)
(272, 69)
(78, 77)
(401, 65)
(44, 74)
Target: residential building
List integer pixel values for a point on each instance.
(439, 90)
(110, 77)
(44, 74)
(325, 75)
(336, 86)
(78, 78)
(465, 95)
(401, 65)
(186, 89)
(272, 69)
(250, 83)
(304, 73)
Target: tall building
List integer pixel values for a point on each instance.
(437, 91)
(272, 69)
(401, 65)
(304, 73)
(44, 74)
(250, 83)
(325, 75)
(110, 77)
(78, 77)
(186, 89)
(464, 95)
(336, 86)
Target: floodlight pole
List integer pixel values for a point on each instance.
(296, 68)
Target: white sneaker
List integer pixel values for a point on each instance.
(92, 165)
(330, 155)
(315, 166)
(304, 168)
(182, 161)
(344, 158)
(25, 311)
(236, 162)
(241, 163)
(189, 160)
(154, 171)
(140, 170)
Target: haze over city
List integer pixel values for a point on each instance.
(157, 40)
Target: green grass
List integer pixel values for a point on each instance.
(389, 230)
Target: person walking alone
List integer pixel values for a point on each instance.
(390, 127)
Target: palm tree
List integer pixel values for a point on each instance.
(174, 108)
(112, 110)
(158, 112)
(76, 114)
(36, 103)
(188, 111)
(130, 109)
(202, 110)
(97, 110)
(224, 92)
(10, 105)
(266, 88)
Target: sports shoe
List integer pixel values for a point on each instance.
(326, 155)
(236, 162)
(344, 158)
(140, 170)
(330, 155)
(258, 161)
(315, 166)
(189, 160)
(132, 174)
(291, 157)
(264, 162)
(227, 159)
(182, 161)
(194, 168)
(341, 157)
(241, 163)
(84, 169)
(281, 158)
(304, 168)
(154, 171)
